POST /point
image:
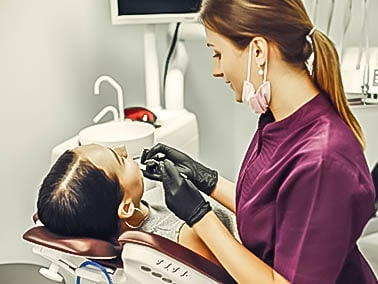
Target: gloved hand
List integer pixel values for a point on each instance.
(181, 196)
(204, 179)
(152, 170)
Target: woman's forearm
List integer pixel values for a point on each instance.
(240, 263)
(189, 239)
(224, 193)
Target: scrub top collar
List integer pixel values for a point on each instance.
(302, 116)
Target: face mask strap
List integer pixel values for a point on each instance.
(249, 62)
(249, 65)
(266, 69)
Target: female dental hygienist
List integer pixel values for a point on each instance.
(304, 191)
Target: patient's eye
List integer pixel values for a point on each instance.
(121, 150)
(119, 153)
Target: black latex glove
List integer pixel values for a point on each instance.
(152, 170)
(203, 178)
(181, 196)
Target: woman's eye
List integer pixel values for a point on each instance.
(216, 55)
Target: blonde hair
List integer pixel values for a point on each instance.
(327, 76)
(286, 24)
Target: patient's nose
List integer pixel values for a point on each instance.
(121, 150)
(217, 71)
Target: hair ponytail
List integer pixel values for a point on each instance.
(326, 75)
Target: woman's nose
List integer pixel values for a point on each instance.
(217, 71)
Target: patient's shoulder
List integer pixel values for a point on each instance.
(162, 222)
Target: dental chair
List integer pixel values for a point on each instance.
(137, 257)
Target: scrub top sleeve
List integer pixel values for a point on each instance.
(320, 212)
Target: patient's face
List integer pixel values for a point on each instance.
(116, 163)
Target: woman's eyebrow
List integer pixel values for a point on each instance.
(210, 45)
(115, 155)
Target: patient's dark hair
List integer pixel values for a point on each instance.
(78, 199)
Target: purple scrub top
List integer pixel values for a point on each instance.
(303, 196)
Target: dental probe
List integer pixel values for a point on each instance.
(147, 162)
(151, 163)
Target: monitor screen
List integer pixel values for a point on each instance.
(153, 11)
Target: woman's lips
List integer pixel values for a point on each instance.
(230, 84)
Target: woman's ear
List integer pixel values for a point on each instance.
(126, 209)
(260, 50)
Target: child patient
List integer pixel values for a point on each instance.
(96, 191)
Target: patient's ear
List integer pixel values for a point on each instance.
(126, 209)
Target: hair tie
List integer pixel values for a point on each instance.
(310, 33)
(310, 61)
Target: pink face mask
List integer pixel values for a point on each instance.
(258, 100)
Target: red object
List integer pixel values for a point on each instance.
(141, 114)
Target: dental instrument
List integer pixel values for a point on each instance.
(148, 163)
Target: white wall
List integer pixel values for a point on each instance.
(51, 52)
(353, 35)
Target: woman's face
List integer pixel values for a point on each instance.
(116, 163)
(229, 62)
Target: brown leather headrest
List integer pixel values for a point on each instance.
(86, 247)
